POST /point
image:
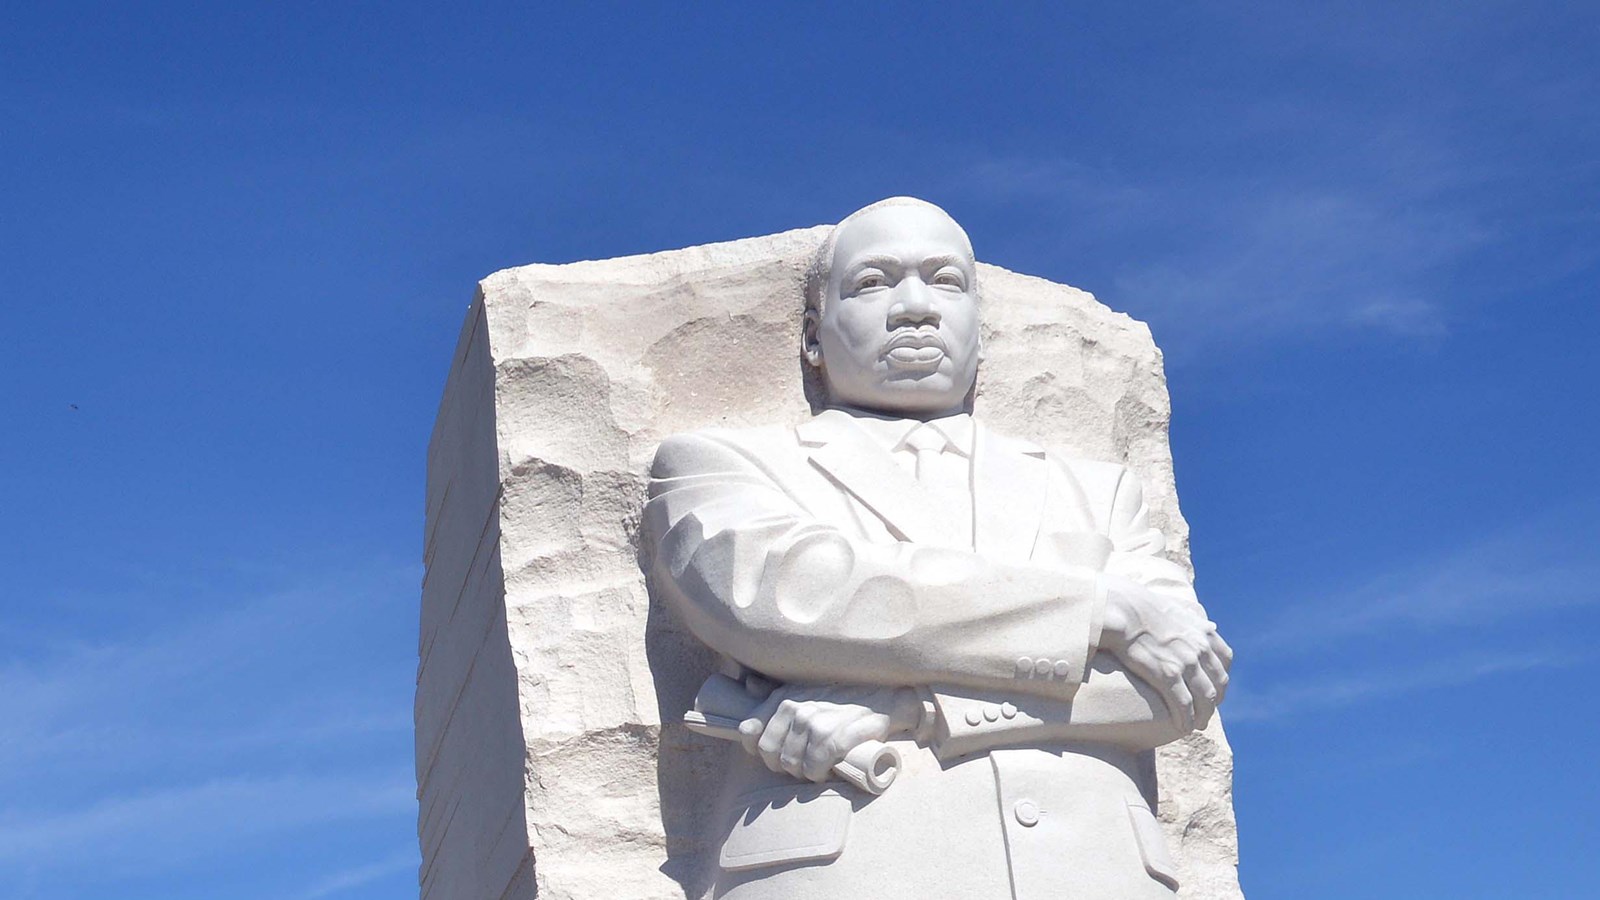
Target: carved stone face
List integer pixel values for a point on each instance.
(898, 328)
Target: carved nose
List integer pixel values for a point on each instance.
(914, 303)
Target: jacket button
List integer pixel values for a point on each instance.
(991, 712)
(1007, 710)
(973, 717)
(1027, 813)
(1042, 668)
(1062, 668)
(1024, 666)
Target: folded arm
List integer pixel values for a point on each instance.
(757, 577)
(1160, 670)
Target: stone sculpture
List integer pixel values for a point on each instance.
(894, 571)
(558, 699)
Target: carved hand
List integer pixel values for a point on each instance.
(1170, 644)
(805, 730)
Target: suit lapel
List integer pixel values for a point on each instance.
(853, 461)
(1010, 481)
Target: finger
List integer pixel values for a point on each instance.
(776, 734)
(750, 734)
(819, 760)
(818, 755)
(761, 715)
(1203, 692)
(1179, 699)
(1165, 677)
(1141, 662)
(821, 756)
(792, 757)
(1220, 647)
(1216, 671)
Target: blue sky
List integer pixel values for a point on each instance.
(237, 241)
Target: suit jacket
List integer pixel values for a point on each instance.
(807, 554)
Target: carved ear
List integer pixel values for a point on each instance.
(810, 345)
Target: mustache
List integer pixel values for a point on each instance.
(914, 337)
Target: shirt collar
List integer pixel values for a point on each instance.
(891, 432)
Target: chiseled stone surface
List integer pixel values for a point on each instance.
(546, 675)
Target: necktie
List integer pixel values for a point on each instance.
(927, 443)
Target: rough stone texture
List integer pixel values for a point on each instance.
(546, 673)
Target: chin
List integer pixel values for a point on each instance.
(932, 393)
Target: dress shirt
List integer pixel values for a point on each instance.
(949, 480)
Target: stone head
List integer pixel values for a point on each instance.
(891, 315)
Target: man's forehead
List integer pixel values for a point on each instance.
(906, 232)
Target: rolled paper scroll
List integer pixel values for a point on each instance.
(723, 703)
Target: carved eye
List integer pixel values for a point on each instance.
(871, 280)
(951, 279)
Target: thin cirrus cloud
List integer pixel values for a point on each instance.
(156, 829)
(346, 880)
(192, 686)
(1249, 258)
(1298, 260)
(1324, 692)
(1538, 569)
(1536, 573)
(244, 719)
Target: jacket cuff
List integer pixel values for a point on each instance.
(928, 724)
(1097, 621)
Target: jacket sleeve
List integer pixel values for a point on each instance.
(758, 578)
(1138, 550)
(1112, 707)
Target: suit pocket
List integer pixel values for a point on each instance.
(1152, 845)
(787, 824)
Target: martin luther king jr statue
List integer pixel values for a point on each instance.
(995, 620)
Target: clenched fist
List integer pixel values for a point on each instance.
(805, 730)
(1169, 643)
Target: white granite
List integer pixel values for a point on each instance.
(546, 672)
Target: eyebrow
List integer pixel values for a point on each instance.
(895, 263)
(879, 261)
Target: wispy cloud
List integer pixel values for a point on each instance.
(1296, 260)
(1337, 649)
(152, 829)
(197, 734)
(226, 679)
(1512, 575)
(1247, 258)
(356, 876)
(1327, 691)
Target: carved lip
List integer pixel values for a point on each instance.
(914, 348)
(914, 339)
